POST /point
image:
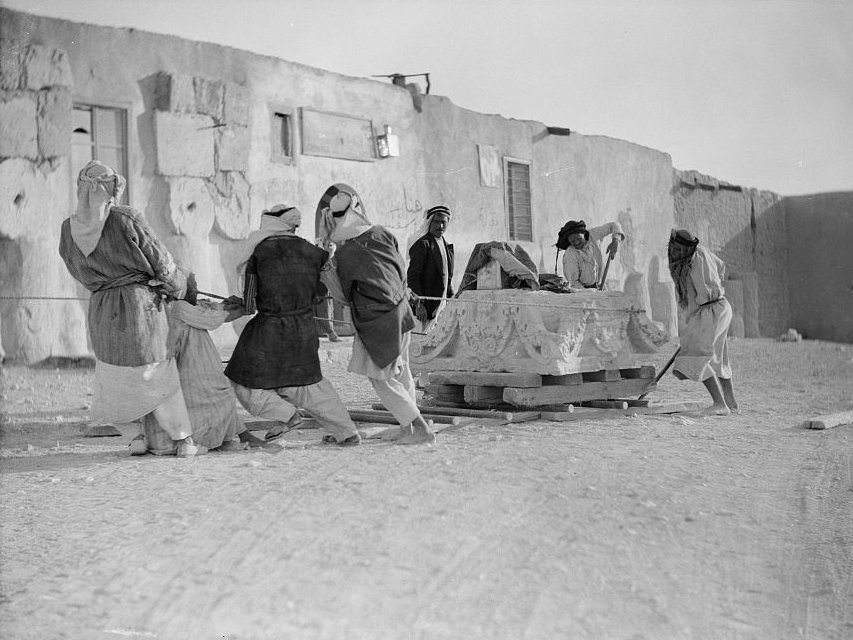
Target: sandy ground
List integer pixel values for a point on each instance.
(643, 527)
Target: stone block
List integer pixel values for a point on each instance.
(10, 67)
(43, 67)
(635, 287)
(237, 104)
(231, 205)
(209, 97)
(749, 280)
(174, 92)
(517, 331)
(491, 277)
(734, 294)
(24, 195)
(232, 148)
(18, 130)
(54, 122)
(663, 306)
(191, 209)
(185, 144)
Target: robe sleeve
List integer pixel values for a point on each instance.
(199, 317)
(610, 229)
(706, 275)
(160, 260)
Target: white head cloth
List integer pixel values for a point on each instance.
(278, 220)
(99, 187)
(343, 218)
(424, 228)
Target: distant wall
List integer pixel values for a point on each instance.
(820, 282)
(746, 228)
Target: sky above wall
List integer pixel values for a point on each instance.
(758, 93)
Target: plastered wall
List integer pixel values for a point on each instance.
(200, 167)
(820, 273)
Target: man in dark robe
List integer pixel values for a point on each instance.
(275, 363)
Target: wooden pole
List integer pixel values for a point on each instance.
(662, 371)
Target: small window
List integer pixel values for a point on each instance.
(99, 133)
(282, 135)
(517, 177)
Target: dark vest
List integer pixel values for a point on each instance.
(278, 347)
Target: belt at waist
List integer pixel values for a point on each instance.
(287, 314)
(135, 278)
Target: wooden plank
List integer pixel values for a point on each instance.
(486, 379)
(554, 394)
(386, 417)
(335, 135)
(261, 424)
(638, 372)
(580, 413)
(485, 406)
(477, 393)
(524, 416)
(605, 404)
(452, 392)
(665, 408)
(829, 420)
(604, 375)
(466, 412)
(569, 378)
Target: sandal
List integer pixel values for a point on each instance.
(278, 431)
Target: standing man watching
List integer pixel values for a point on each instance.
(430, 271)
(583, 262)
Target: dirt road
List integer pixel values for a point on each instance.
(644, 527)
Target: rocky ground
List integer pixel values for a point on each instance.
(624, 527)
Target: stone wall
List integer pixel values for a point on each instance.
(201, 166)
(820, 234)
(746, 229)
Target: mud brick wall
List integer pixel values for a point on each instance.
(747, 229)
(820, 234)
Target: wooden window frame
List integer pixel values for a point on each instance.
(288, 114)
(127, 111)
(507, 160)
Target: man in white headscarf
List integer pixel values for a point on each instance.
(111, 250)
(275, 364)
(369, 277)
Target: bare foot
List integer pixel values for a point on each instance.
(392, 433)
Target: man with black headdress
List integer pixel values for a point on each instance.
(430, 268)
(583, 262)
(703, 320)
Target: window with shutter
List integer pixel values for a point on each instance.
(517, 177)
(100, 133)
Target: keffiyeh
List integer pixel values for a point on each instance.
(99, 187)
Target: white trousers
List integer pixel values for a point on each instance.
(321, 400)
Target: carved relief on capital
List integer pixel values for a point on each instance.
(538, 332)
